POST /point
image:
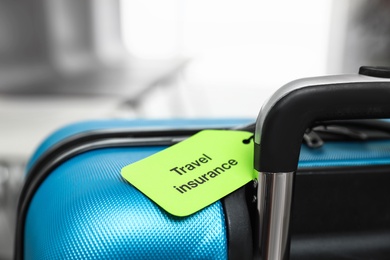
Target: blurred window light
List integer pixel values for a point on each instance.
(247, 42)
(150, 27)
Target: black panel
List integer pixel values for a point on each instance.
(341, 213)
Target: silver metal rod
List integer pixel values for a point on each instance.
(274, 196)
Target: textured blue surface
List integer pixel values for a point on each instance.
(334, 154)
(85, 210)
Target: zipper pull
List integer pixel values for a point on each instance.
(312, 139)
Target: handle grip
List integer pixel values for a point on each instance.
(285, 117)
(279, 131)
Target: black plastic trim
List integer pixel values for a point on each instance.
(238, 225)
(356, 246)
(375, 71)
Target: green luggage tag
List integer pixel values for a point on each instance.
(196, 172)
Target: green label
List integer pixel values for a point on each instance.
(194, 173)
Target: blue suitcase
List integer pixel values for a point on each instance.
(75, 205)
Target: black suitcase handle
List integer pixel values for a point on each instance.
(280, 127)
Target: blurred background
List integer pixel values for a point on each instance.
(63, 61)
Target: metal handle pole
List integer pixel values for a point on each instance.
(274, 196)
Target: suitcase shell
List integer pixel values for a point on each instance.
(84, 209)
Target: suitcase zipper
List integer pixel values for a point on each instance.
(358, 130)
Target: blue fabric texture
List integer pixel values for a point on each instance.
(85, 210)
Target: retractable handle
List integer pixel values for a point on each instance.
(280, 127)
